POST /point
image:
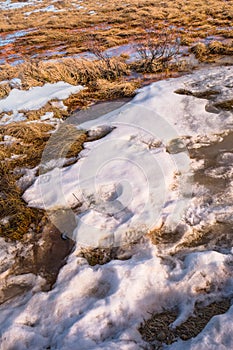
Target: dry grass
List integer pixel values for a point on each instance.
(101, 256)
(31, 140)
(104, 80)
(19, 215)
(73, 71)
(208, 52)
(115, 23)
(67, 33)
(30, 143)
(4, 90)
(26, 132)
(102, 90)
(29, 147)
(66, 142)
(156, 49)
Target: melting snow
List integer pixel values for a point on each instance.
(133, 160)
(37, 97)
(12, 118)
(123, 180)
(9, 5)
(50, 8)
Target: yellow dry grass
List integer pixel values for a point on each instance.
(27, 132)
(30, 140)
(68, 32)
(208, 52)
(115, 23)
(66, 142)
(4, 90)
(16, 217)
(70, 70)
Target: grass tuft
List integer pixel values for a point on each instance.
(16, 217)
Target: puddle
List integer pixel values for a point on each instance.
(97, 110)
(127, 49)
(211, 155)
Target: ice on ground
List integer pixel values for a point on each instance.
(139, 177)
(9, 5)
(142, 156)
(10, 38)
(101, 307)
(37, 97)
(119, 179)
(49, 8)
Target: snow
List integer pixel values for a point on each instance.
(50, 8)
(49, 118)
(12, 118)
(101, 307)
(58, 104)
(37, 97)
(8, 5)
(79, 7)
(27, 179)
(15, 83)
(137, 177)
(92, 13)
(133, 160)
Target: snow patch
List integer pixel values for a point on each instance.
(37, 97)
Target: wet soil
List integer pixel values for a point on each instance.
(211, 154)
(47, 255)
(97, 110)
(156, 330)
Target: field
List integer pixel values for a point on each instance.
(63, 29)
(64, 60)
(44, 43)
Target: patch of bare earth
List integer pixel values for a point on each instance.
(46, 254)
(157, 329)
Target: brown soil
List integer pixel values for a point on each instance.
(157, 330)
(46, 258)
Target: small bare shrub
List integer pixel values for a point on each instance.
(155, 49)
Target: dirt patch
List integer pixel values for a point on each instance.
(157, 330)
(210, 154)
(47, 255)
(217, 237)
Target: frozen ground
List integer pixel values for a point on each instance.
(127, 181)
(33, 99)
(136, 178)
